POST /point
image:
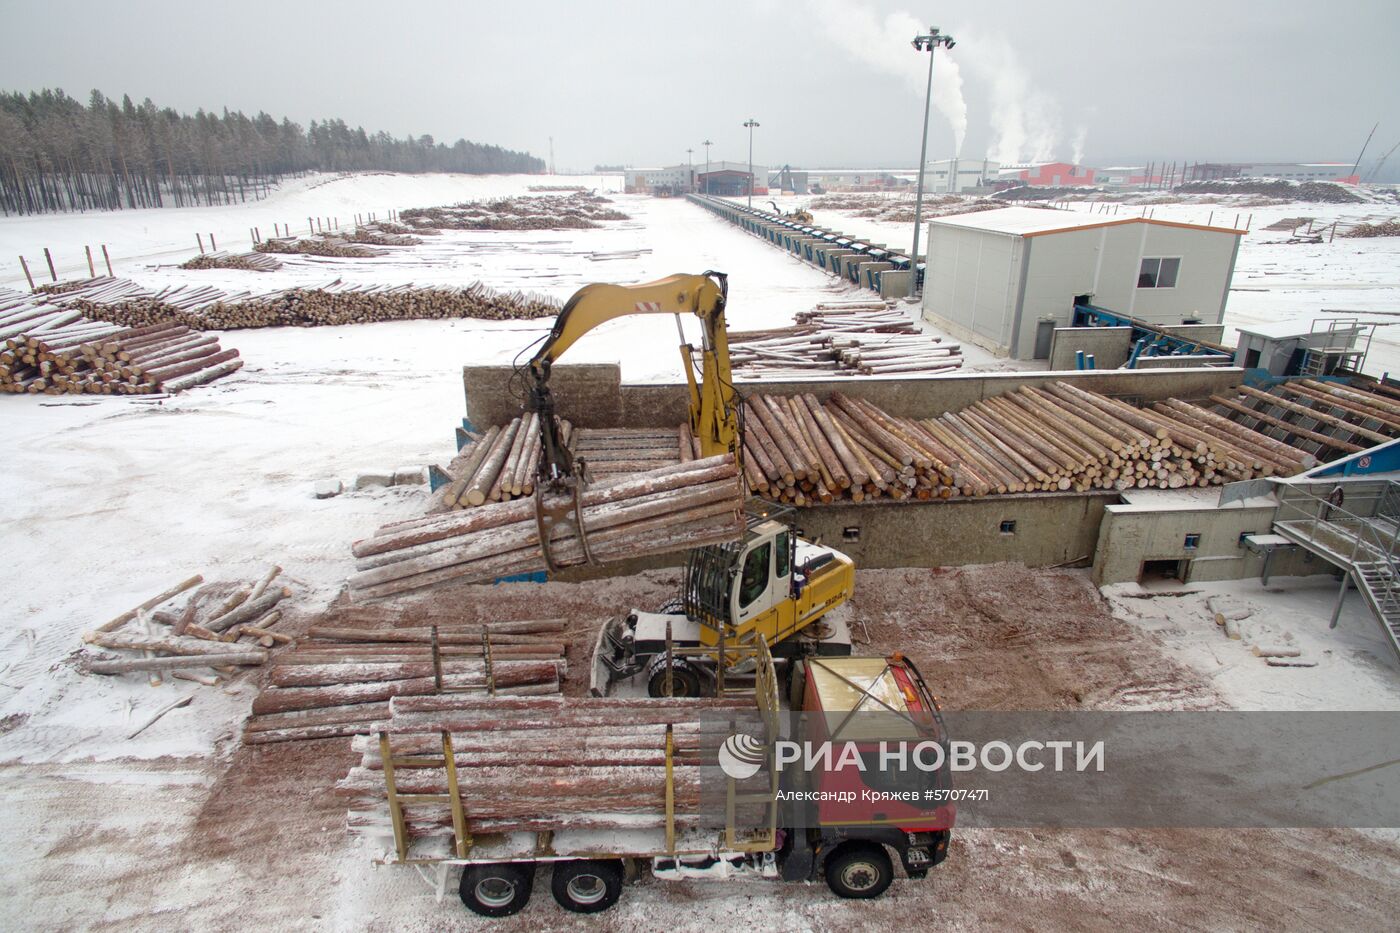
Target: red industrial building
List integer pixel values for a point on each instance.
(1053, 175)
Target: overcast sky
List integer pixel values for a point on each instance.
(831, 83)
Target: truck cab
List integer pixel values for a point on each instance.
(864, 702)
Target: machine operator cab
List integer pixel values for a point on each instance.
(771, 583)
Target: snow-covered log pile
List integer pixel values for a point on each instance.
(800, 450)
(222, 259)
(866, 339)
(341, 676)
(546, 212)
(661, 511)
(332, 245)
(208, 308)
(220, 629)
(538, 764)
(52, 350)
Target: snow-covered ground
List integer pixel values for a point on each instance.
(1274, 280)
(106, 501)
(1355, 667)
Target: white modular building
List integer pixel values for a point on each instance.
(1004, 279)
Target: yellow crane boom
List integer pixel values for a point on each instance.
(714, 417)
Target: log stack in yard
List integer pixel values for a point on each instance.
(341, 676)
(538, 764)
(205, 307)
(1060, 438)
(221, 259)
(867, 339)
(52, 350)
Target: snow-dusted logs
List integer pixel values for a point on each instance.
(1059, 438)
(206, 307)
(862, 340)
(661, 511)
(46, 349)
(533, 764)
(339, 677)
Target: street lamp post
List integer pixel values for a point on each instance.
(923, 44)
(707, 144)
(751, 123)
(689, 172)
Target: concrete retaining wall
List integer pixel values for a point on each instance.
(593, 396)
(1110, 346)
(1132, 534)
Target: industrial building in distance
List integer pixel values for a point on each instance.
(1005, 279)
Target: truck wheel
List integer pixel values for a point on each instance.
(685, 679)
(859, 871)
(497, 890)
(588, 886)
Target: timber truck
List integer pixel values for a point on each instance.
(848, 841)
(745, 608)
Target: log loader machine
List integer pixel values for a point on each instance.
(771, 583)
(799, 216)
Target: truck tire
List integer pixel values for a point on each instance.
(685, 679)
(497, 890)
(859, 870)
(587, 886)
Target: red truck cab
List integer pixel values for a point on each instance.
(859, 711)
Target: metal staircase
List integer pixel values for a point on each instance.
(1365, 546)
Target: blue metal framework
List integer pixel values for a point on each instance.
(1147, 339)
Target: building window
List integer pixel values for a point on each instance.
(1008, 527)
(1192, 542)
(1159, 272)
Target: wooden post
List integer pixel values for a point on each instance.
(49, 258)
(107, 259)
(212, 244)
(25, 266)
(92, 270)
(200, 240)
(310, 227)
(257, 234)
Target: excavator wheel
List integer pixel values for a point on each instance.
(685, 678)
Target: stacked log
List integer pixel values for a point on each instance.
(540, 764)
(221, 259)
(319, 245)
(612, 453)
(219, 629)
(671, 509)
(339, 679)
(207, 308)
(863, 340)
(376, 235)
(1061, 438)
(498, 466)
(50, 350)
(575, 211)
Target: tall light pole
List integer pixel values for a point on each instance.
(924, 44)
(751, 123)
(707, 144)
(689, 171)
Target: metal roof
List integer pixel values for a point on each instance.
(1037, 221)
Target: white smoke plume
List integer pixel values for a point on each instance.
(1081, 134)
(883, 44)
(1025, 120)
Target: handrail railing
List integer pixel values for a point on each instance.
(1380, 543)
